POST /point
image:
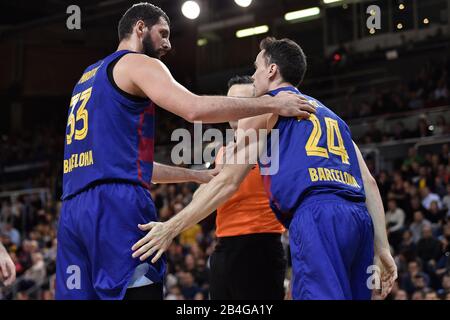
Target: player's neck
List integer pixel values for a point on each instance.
(129, 45)
(279, 84)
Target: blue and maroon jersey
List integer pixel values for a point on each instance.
(109, 135)
(316, 157)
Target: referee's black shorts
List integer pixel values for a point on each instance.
(248, 267)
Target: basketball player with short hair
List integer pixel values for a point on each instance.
(108, 159)
(321, 190)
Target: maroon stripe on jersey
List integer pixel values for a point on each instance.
(146, 149)
(146, 145)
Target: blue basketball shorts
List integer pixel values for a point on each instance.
(332, 248)
(96, 231)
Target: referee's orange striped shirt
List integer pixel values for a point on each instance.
(248, 210)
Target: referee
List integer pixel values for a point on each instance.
(248, 261)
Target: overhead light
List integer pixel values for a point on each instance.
(399, 26)
(426, 21)
(330, 1)
(202, 42)
(243, 3)
(392, 54)
(300, 14)
(252, 31)
(372, 31)
(401, 6)
(190, 10)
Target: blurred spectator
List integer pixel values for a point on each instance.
(431, 295)
(441, 126)
(418, 295)
(446, 201)
(441, 91)
(395, 220)
(428, 197)
(174, 293)
(189, 236)
(418, 224)
(401, 295)
(445, 286)
(12, 233)
(414, 279)
(407, 246)
(189, 288)
(428, 248)
(413, 156)
(399, 132)
(435, 215)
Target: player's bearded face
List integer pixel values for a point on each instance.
(155, 42)
(149, 48)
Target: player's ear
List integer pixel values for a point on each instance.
(139, 27)
(273, 68)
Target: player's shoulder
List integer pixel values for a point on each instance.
(134, 59)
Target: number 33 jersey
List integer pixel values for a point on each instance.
(109, 135)
(316, 156)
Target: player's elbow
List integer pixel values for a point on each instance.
(194, 110)
(370, 181)
(193, 116)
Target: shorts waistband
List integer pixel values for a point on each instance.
(327, 197)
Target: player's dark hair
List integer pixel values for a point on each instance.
(288, 56)
(144, 11)
(239, 80)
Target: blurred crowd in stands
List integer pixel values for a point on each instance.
(417, 203)
(429, 88)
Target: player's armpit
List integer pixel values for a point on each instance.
(156, 82)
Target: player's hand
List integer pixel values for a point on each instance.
(388, 269)
(204, 176)
(7, 268)
(290, 104)
(157, 240)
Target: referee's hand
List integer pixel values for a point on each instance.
(7, 267)
(157, 240)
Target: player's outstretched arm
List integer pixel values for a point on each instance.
(7, 267)
(171, 174)
(155, 81)
(374, 204)
(212, 195)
